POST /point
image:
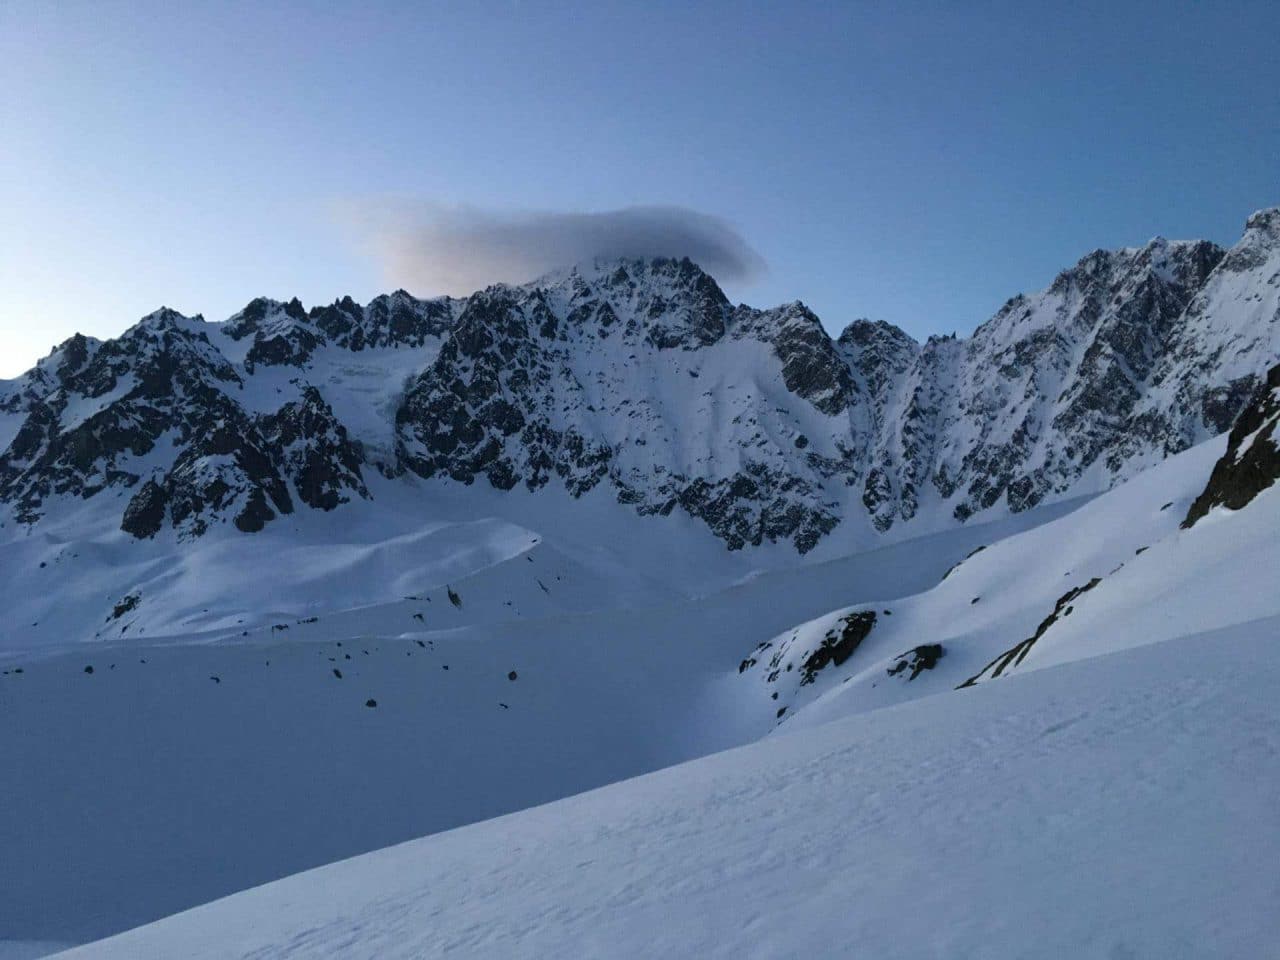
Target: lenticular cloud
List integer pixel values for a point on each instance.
(433, 249)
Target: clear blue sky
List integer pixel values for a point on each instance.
(913, 162)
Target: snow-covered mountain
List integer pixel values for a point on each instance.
(641, 378)
(307, 583)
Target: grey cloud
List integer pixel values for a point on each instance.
(433, 249)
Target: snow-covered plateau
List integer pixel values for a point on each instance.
(602, 617)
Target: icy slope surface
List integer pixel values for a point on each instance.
(1107, 808)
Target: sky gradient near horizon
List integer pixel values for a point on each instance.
(912, 162)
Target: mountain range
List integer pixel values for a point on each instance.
(640, 378)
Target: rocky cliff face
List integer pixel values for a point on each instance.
(1252, 461)
(641, 379)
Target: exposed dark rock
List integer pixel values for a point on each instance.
(924, 657)
(1252, 461)
(145, 514)
(812, 367)
(125, 605)
(839, 644)
(315, 451)
(1014, 656)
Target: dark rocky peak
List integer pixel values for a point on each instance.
(237, 467)
(1148, 285)
(163, 351)
(743, 322)
(491, 376)
(495, 318)
(71, 356)
(166, 331)
(165, 318)
(63, 363)
(881, 335)
(879, 353)
(684, 306)
(812, 366)
(1054, 381)
(288, 334)
(670, 303)
(1181, 263)
(687, 276)
(341, 319)
(162, 375)
(1172, 261)
(282, 333)
(263, 312)
(672, 275)
(1133, 308)
(1086, 271)
(399, 319)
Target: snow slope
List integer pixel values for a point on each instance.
(1114, 807)
(203, 786)
(186, 767)
(1118, 572)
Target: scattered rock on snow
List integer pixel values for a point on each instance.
(923, 657)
